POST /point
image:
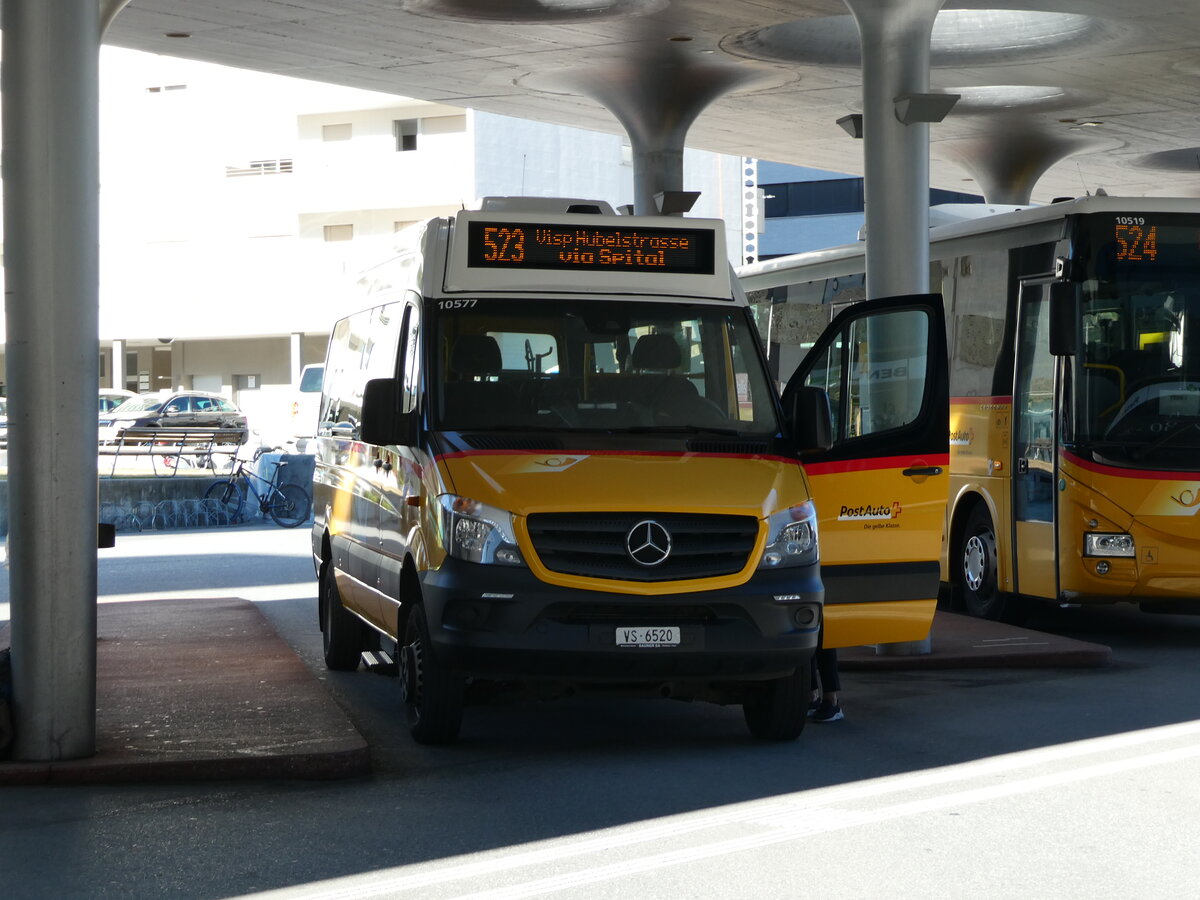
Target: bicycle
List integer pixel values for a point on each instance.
(288, 504)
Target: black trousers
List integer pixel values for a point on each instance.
(825, 671)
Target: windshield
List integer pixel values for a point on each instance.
(1139, 367)
(139, 404)
(609, 365)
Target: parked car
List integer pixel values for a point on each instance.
(111, 398)
(3, 423)
(178, 410)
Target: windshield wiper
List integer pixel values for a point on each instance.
(677, 429)
(1143, 452)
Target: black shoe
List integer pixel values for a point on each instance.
(813, 706)
(827, 711)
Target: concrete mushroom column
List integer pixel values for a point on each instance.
(656, 98)
(897, 107)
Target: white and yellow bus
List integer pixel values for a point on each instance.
(549, 454)
(1075, 396)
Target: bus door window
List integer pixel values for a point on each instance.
(1034, 450)
(1033, 406)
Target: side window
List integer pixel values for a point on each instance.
(411, 373)
(363, 346)
(887, 378)
(826, 374)
(874, 371)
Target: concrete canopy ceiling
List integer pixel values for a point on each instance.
(1088, 93)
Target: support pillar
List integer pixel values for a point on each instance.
(895, 36)
(49, 78)
(296, 346)
(118, 364)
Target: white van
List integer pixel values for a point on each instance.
(306, 405)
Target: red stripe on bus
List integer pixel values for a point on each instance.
(879, 462)
(463, 454)
(1118, 472)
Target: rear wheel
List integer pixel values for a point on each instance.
(977, 581)
(781, 710)
(289, 507)
(229, 497)
(342, 635)
(433, 697)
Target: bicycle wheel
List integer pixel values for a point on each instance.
(230, 498)
(288, 505)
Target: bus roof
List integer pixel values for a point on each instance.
(780, 271)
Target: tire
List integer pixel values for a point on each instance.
(976, 579)
(780, 711)
(230, 497)
(289, 507)
(433, 698)
(342, 635)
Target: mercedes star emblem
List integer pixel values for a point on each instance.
(648, 543)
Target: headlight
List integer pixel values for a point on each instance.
(792, 538)
(477, 532)
(1099, 544)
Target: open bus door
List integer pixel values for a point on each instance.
(881, 489)
(1035, 451)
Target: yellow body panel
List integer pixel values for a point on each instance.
(980, 461)
(855, 624)
(1160, 509)
(527, 483)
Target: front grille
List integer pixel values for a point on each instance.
(732, 447)
(594, 544)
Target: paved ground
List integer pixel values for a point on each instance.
(191, 690)
(202, 689)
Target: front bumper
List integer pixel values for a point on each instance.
(503, 623)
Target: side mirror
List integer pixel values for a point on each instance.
(811, 419)
(382, 421)
(1064, 298)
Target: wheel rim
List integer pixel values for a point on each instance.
(974, 562)
(410, 679)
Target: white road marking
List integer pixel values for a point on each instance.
(791, 817)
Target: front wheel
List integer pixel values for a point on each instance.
(780, 710)
(230, 497)
(978, 582)
(433, 697)
(289, 505)
(342, 635)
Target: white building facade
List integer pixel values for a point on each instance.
(236, 208)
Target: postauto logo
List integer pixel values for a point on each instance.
(869, 512)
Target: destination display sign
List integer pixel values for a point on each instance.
(524, 245)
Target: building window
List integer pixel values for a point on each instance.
(339, 132)
(339, 233)
(405, 131)
(400, 226)
(813, 198)
(833, 197)
(260, 167)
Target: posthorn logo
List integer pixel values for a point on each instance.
(648, 543)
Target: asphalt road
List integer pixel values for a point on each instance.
(973, 783)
